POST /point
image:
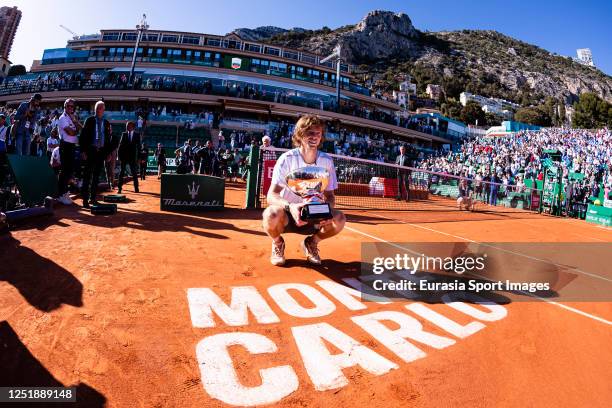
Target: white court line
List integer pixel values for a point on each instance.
(593, 275)
(569, 308)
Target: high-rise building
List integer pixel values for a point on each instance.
(585, 56)
(9, 21)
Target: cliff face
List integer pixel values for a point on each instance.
(479, 61)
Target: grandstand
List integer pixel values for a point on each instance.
(238, 82)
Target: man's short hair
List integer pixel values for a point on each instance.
(303, 124)
(129, 122)
(36, 97)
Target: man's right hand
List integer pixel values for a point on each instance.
(295, 210)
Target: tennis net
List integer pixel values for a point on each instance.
(371, 185)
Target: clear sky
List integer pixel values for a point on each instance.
(559, 26)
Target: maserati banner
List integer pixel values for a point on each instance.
(192, 192)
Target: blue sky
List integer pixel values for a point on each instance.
(559, 26)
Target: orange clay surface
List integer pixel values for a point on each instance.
(100, 302)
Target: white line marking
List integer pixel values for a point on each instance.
(569, 308)
(496, 247)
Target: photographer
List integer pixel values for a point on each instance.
(25, 120)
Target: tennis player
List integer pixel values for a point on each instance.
(284, 206)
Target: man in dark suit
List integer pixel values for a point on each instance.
(96, 145)
(129, 146)
(403, 176)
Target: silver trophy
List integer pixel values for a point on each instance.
(309, 183)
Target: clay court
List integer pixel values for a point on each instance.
(100, 302)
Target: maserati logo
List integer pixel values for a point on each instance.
(193, 190)
(236, 63)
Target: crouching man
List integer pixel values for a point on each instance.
(285, 206)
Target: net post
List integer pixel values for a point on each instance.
(253, 178)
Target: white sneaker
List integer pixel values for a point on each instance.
(311, 251)
(277, 258)
(65, 199)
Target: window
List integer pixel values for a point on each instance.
(252, 47)
(213, 42)
(272, 51)
(159, 52)
(120, 51)
(139, 52)
(111, 52)
(197, 54)
(217, 56)
(150, 37)
(290, 55)
(278, 66)
(207, 55)
(176, 53)
(189, 39)
(233, 44)
(168, 38)
(188, 54)
(110, 37)
(309, 59)
(130, 51)
(129, 37)
(150, 52)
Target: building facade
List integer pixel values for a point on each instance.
(585, 56)
(500, 107)
(183, 76)
(9, 21)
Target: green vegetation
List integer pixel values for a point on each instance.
(591, 112)
(16, 70)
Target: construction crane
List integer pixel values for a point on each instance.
(75, 36)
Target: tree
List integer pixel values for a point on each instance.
(591, 112)
(451, 108)
(473, 114)
(16, 70)
(533, 115)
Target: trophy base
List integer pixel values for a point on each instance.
(316, 212)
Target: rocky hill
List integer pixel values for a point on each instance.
(384, 45)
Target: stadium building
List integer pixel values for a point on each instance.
(214, 82)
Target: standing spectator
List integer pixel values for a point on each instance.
(96, 145)
(266, 153)
(3, 134)
(68, 127)
(495, 181)
(185, 157)
(197, 158)
(403, 176)
(128, 154)
(143, 156)
(160, 156)
(25, 120)
(208, 159)
(140, 123)
(4, 131)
